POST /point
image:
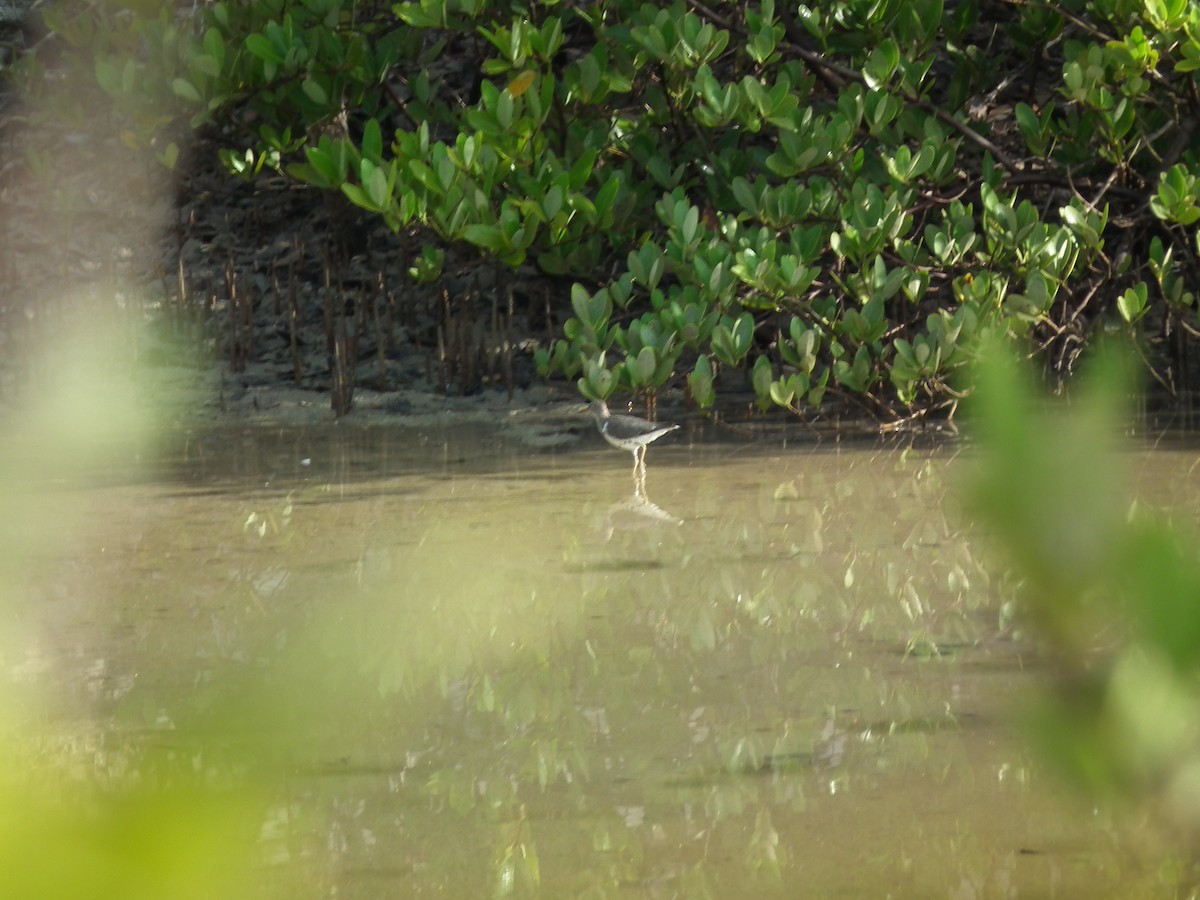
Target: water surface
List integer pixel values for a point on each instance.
(468, 667)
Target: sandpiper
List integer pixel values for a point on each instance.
(628, 432)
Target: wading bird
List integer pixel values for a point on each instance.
(628, 432)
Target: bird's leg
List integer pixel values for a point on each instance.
(640, 470)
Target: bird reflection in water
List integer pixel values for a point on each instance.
(636, 512)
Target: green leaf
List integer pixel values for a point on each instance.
(261, 47)
(327, 166)
(424, 175)
(761, 377)
(415, 15)
(643, 366)
(553, 201)
(691, 223)
(372, 141)
(700, 382)
(358, 196)
(214, 42)
(489, 237)
(1132, 303)
(377, 187)
(597, 382)
(205, 65)
(881, 64)
(783, 392)
(181, 87)
(314, 91)
(170, 155)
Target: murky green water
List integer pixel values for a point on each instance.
(465, 667)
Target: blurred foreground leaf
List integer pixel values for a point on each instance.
(141, 842)
(84, 813)
(1112, 590)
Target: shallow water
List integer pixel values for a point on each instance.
(470, 667)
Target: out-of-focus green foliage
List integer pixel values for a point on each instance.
(834, 197)
(1110, 586)
(67, 840)
(82, 817)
